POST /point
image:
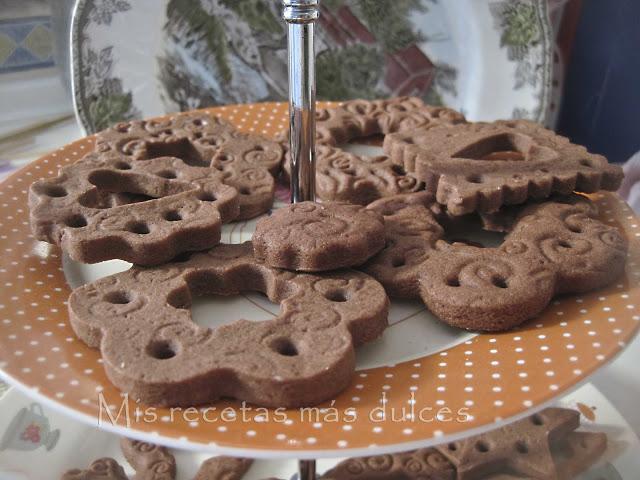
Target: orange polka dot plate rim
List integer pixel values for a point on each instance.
(422, 384)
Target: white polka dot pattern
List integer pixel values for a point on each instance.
(480, 381)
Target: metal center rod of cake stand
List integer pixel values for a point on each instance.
(300, 16)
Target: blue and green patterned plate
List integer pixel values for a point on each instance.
(489, 58)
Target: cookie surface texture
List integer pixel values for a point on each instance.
(534, 447)
(360, 179)
(247, 162)
(553, 247)
(100, 469)
(223, 468)
(482, 166)
(425, 463)
(313, 237)
(152, 349)
(150, 461)
(106, 206)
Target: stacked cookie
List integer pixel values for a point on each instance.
(439, 172)
(154, 189)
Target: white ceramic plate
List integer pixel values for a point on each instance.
(70, 444)
(489, 58)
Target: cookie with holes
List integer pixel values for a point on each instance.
(108, 206)
(141, 322)
(552, 248)
(360, 179)
(315, 237)
(412, 228)
(246, 162)
(483, 166)
(542, 446)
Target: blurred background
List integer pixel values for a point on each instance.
(574, 65)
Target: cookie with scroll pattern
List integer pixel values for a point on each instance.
(141, 322)
(483, 166)
(359, 179)
(315, 237)
(552, 248)
(107, 206)
(246, 162)
(150, 461)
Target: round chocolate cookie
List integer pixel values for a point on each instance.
(316, 237)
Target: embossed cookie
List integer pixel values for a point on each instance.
(425, 463)
(150, 461)
(100, 469)
(247, 162)
(140, 320)
(107, 206)
(482, 166)
(412, 227)
(223, 468)
(346, 177)
(542, 446)
(313, 237)
(552, 248)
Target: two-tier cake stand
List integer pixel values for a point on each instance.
(421, 384)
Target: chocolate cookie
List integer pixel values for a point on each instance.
(552, 248)
(150, 461)
(412, 227)
(107, 206)
(345, 177)
(223, 468)
(364, 118)
(482, 166)
(425, 463)
(543, 446)
(153, 350)
(100, 469)
(247, 162)
(316, 237)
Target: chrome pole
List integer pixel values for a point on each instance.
(306, 470)
(300, 16)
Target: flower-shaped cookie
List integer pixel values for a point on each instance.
(151, 348)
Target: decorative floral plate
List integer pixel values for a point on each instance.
(488, 58)
(421, 383)
(27, 453)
